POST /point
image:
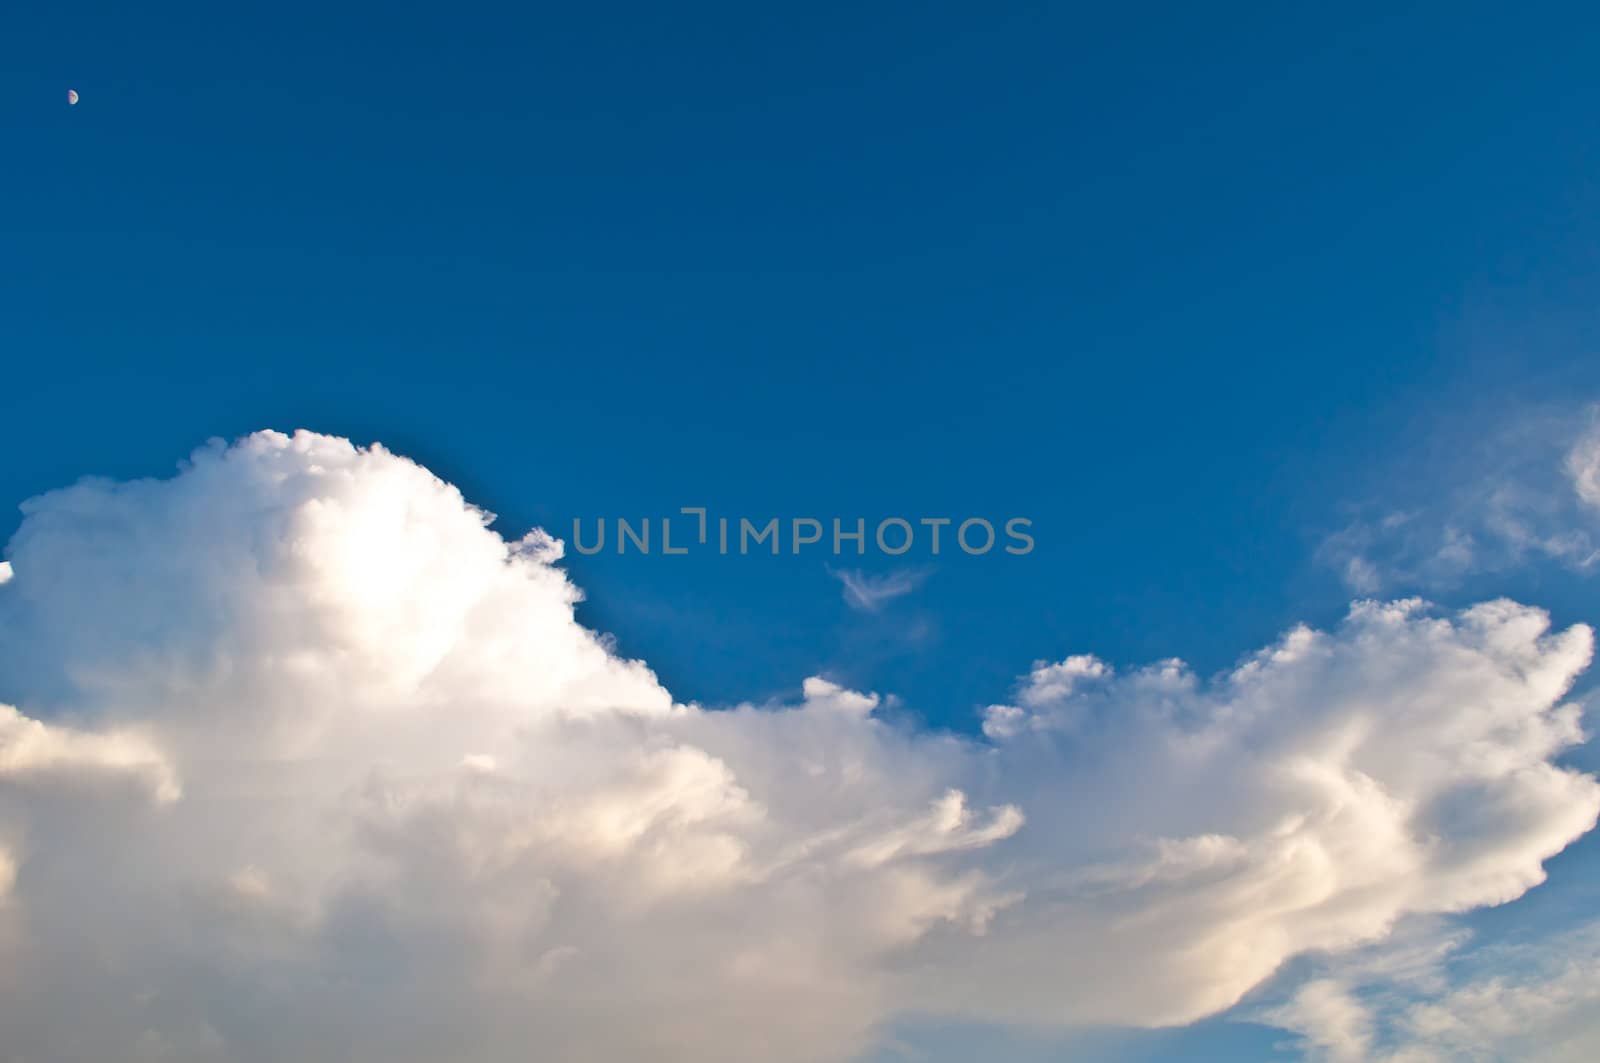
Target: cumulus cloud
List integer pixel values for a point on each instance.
(1528, 492)
(308, 762)
(36, 753)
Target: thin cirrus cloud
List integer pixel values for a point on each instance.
(1425, 996)
(306, 761)
(1583, 463)
(869, 592)
(1528, 491)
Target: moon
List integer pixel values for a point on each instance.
(72, 96)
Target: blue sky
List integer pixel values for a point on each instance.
(1190, 288)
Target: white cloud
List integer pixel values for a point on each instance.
(307, 763)
(869, 592)
(36, 753)
(1335, 1026)
(1047, 684)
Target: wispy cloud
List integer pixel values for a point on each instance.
(1428, 995)
(869, 592)
(1526, 492)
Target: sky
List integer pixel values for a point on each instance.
(1256, 312)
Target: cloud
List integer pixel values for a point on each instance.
(1433, 999)
(869, 592)
(1583, 462)
(1539, 1003)
(308, 762)
(1527, 492)
(1333, 1024)
(33, 752)
(1047, 684)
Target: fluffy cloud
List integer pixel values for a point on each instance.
(307, 762)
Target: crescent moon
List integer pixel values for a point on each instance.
(72, 96)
